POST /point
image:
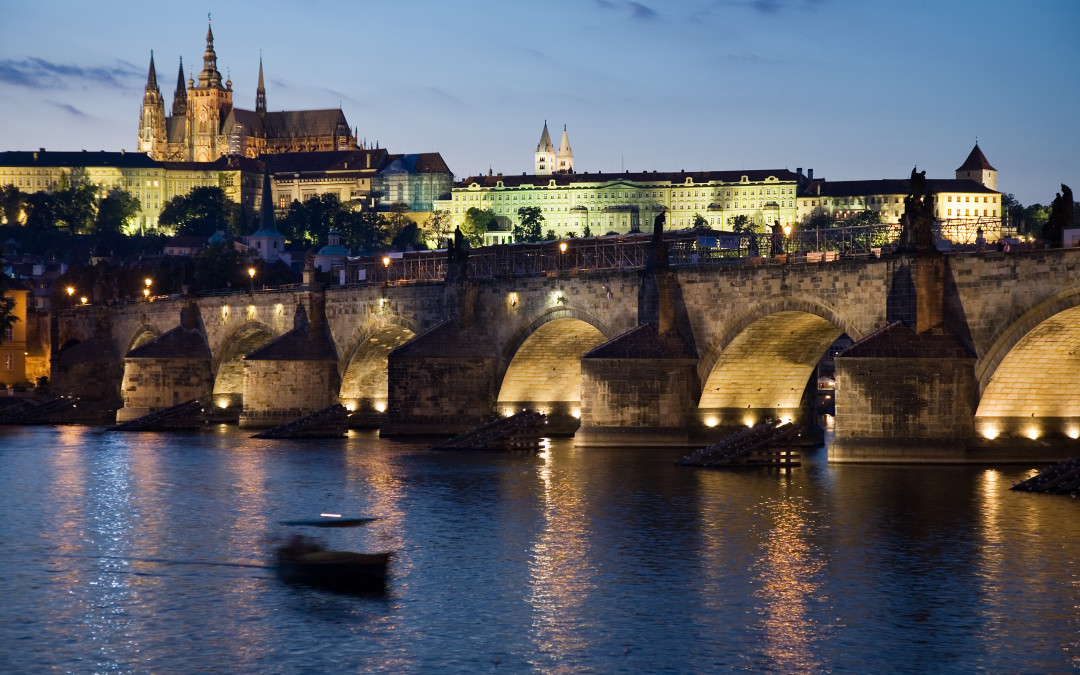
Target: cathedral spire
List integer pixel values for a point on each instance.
(545, 154)
(179, 103)
(260, 93)
(210, 77)
(151, 78)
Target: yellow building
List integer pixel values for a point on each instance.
(962, 205)
(628, 202)
(13, 342)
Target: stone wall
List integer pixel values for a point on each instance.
(157, 383)
(278, 391)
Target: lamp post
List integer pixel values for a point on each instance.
(386, 268)
(787, 234)
(251, 281)
(70, 292)
(146, 291)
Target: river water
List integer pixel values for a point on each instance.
(146, 553)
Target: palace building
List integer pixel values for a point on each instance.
(204, 124)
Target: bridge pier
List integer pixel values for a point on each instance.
(639, 389)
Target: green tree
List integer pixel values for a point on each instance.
(700, 222)
(116, 212)
(476, 223)
(742, 224)
(530, 224)
(410, 238)
(200, 213)
(12, 201)
(818, 221)
(550, 236)
(309, 223)
(439, 226)
(74, 202)
(396, 219)
(866, 217)
(39, 211)
(586, 232)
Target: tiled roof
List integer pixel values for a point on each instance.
(304, 123)
(424, 162)
(65, 159)
(976, 161)
(889, 186)
(333, 160)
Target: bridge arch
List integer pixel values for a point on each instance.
(780, 303)
(1032, 389)
(763, 363)
(228, 362)
(363, 366)
(540, 366)
(142, 334)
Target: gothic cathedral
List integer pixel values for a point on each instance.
(204, 125)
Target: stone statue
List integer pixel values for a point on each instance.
(457, 257)
(917, 223)
(1061, 217)
(657, 256)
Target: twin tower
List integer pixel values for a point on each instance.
(548, 161)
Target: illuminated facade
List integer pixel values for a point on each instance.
(205, 126)
(13, 341)
(628, 202)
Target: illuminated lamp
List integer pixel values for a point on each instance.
(711, 421)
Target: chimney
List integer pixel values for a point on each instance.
(810, 174)
(799, 171)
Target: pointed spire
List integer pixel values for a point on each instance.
(209, 77)
(260, 93)
(545, 141)
(179, 104)
(976, 161)
(565, 157)
(151, 78)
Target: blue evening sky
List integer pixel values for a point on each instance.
(855, 89)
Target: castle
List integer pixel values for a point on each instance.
(205, 126)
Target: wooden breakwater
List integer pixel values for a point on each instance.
(768, 443)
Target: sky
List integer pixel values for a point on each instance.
(854, 89)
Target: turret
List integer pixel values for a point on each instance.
(545, 154)
(976, 168)
(152, 119)
(565, 158)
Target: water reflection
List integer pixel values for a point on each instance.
(560, 574)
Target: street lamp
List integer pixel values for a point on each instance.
(386, 266)
(83, 299)
(251, 280)
(146, 291)
(70, 292)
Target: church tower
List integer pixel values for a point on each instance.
(545, 154)
(260, 93)
(208, 102)
(565, 158)
(179, 102)
(976, 168)
(152, 120)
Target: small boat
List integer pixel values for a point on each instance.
(305, 562)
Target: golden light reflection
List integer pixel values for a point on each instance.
(560, 576)
(788, 571)
(380, 406)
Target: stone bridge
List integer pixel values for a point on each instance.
(959, 357)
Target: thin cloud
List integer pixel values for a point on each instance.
(70, 109)
(37, 73)
(638, 11)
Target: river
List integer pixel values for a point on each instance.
(140, 552)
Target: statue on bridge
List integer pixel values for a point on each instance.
(457, 257)
(657, 257)
(1061, 217)
(917, 223)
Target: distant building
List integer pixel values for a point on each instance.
(629, 202)
(962, 205)
(204, 124)
(547, 161)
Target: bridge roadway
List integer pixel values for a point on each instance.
(753, 335)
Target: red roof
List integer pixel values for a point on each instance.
(976, 161)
